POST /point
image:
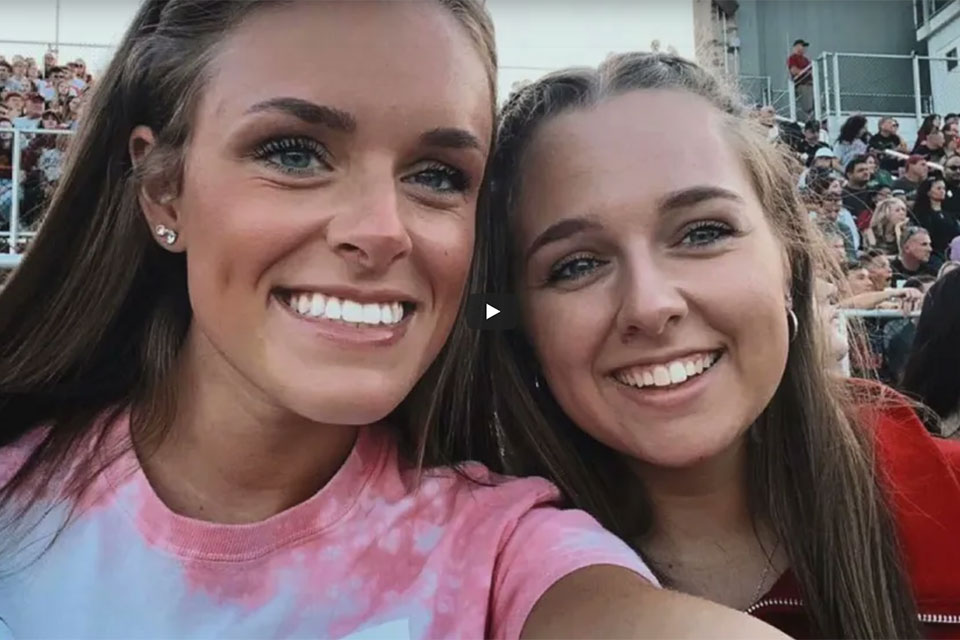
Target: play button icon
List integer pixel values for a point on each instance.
(491, 311)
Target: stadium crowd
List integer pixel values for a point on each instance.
(889, 212)
(37, 98)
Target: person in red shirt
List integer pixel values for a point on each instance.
(801, 70)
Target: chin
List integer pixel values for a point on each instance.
(355, 400)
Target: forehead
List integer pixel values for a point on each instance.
(402, 58)
(629, 150)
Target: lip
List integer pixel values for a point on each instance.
(666, 358)
(347, 335)
(672, 398)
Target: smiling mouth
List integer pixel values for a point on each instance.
(311, 305)
(668, 375)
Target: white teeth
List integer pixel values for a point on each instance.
(303, 303)
(351, 311)
(371, 313)
(317, 305)
(678, 373)
(332, 312)
(661, 376)
(669, 373)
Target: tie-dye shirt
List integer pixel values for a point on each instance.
(374, 554)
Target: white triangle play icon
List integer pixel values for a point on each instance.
(492, 311)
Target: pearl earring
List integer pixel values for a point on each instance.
(169, 236)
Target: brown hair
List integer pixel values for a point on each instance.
(93, 319)
(811, 465)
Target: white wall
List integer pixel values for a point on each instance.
(945, 85)
(534, 36)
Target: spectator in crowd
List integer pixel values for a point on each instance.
(931, 375)
(5, 72)
(811, 143)
(18, 80)
(857, 197)
(850, 142)
(49, 63)
(80, 68)
(886, 139)
(830, 224)
(878, 266)
(862, 295)
(821, 169)
(801, 71)
(50, 120)
(33, 112)
(951, 118)
(6, 170)
(916, 172)
(837, 246)
(889, 217)
(932, 148)
(767, 116)
(954, 253)
(13, 104)
(929, 123)
(914, 257)
(73, 112)
(929, 212)
(898, 333)
(947, 267)
(951, 178)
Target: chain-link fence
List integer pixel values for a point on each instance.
(887, 84)
(755, 90)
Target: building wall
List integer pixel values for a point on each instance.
(768, 28)
(944, 83)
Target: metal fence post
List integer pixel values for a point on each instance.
(15, 203)
(917, 102)
(815, 71)
(769, 99)
(836, 84)
(792, 97)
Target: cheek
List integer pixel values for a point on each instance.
(567, 332)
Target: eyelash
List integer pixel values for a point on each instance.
(459, 182)
(560, 272)
(557, 272)
(278, 146)
(721, 231)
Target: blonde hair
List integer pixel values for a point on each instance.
(881, 224)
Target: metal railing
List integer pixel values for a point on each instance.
(883, 84)
(15, 237)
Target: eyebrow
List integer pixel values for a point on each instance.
(309, 112)
(451, 138)
(671, 202)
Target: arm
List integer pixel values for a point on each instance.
(612, 602)
(870, 299)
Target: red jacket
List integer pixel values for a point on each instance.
(922, 478)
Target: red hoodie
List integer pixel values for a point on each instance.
(922, 477)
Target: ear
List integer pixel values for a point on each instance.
(157, 201)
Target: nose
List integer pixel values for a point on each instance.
(651, 302)
(369, 234)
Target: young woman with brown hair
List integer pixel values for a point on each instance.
(223, 376)
(671, 374)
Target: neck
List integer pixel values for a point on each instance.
(909, 262)
(936, 205)
(702, 502)
(231, 454)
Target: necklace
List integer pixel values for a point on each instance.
(766, 572)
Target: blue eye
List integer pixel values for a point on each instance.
(294, 156)
(704, 234)
(574, 268)
(441, 178)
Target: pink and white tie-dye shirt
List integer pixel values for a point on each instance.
(369, 556)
